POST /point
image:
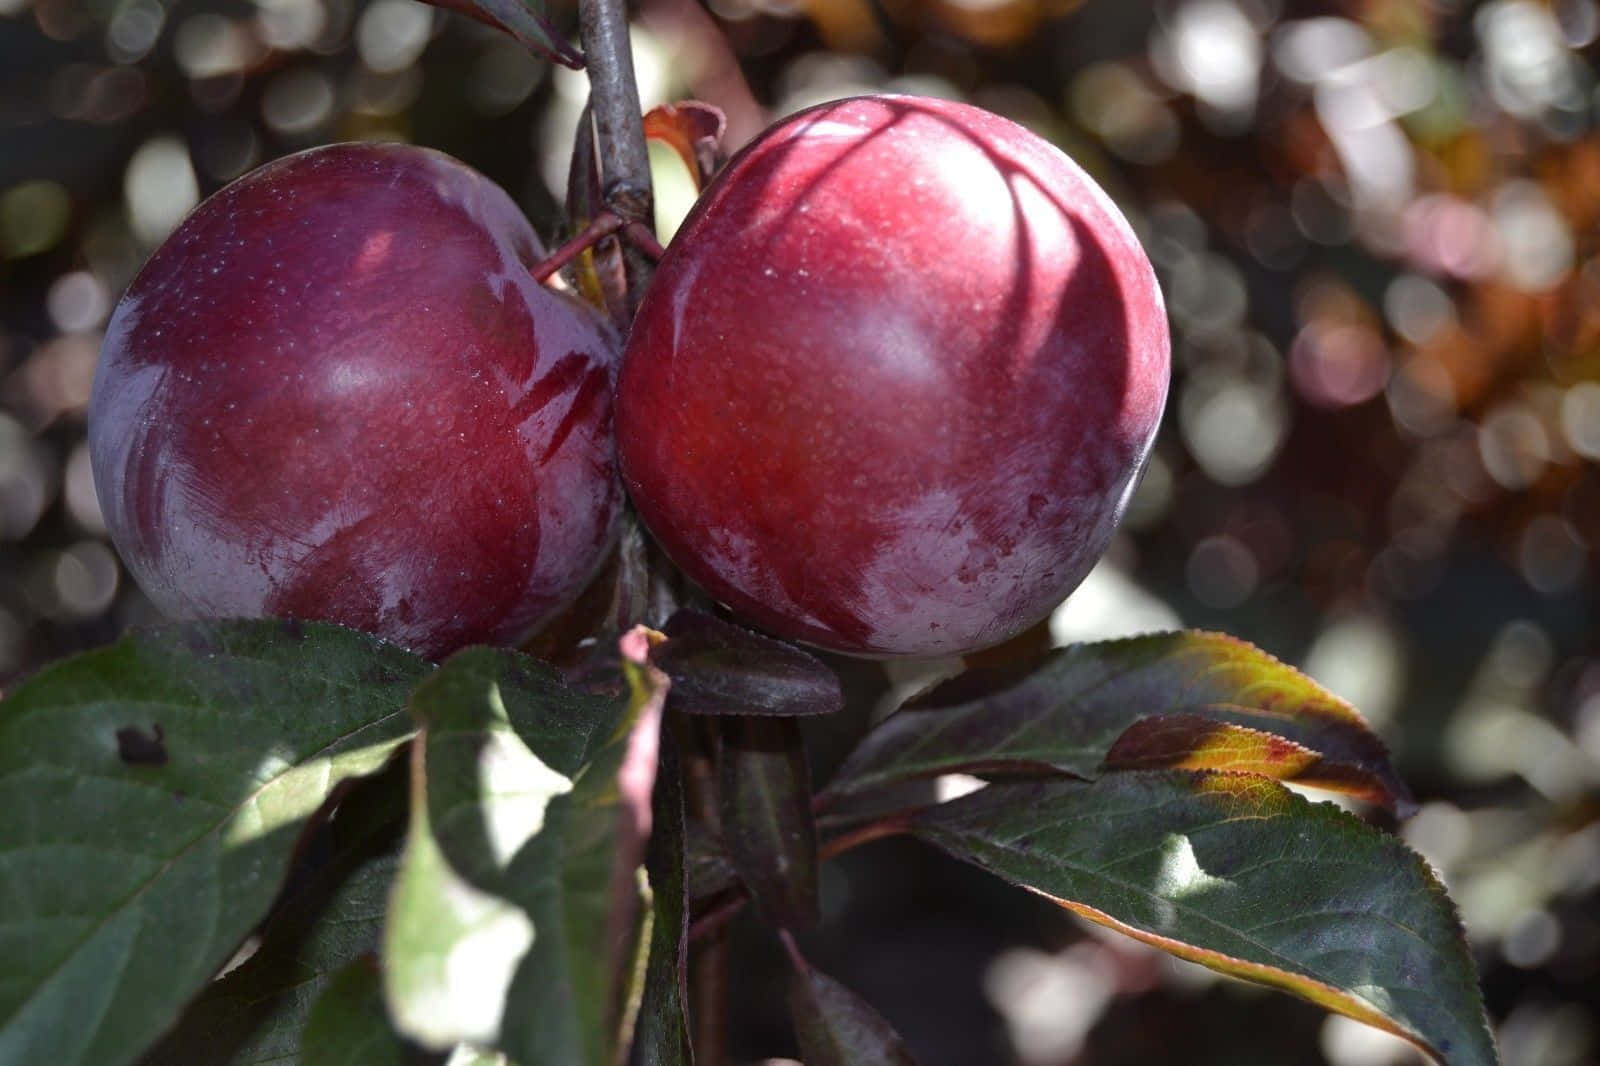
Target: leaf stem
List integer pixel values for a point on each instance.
(728, 904)
(792, 949)
(713, 918)
(891, 826)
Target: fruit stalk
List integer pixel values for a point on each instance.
(614, 97)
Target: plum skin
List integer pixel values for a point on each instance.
(335, 393)
(895, 379)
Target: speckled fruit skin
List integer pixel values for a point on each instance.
(895, 379)
(335, 393)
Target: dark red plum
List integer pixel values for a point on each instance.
(895, 379)
(335, 393)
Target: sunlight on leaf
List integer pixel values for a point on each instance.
(501, 931)
(288, 788)
(1180, 876)
(1237, 873)
(457, 948)
(154, 793)
(1193, 700)
(466, 1055)
(330, 915)
(517, 783)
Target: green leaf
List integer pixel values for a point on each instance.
(717, 667)
(153, 792)
(1237, 873)
(500, 930)
(836, 1027)
(348, 1025)
(661, 1034)
(525, 21)
(1069, 714)
(330, 914)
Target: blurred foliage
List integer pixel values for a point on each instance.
(1377, 224)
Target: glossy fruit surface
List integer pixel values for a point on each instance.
(895, 379)
(335, 393)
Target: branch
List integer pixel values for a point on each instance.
(614, 95)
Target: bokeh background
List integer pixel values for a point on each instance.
(1377, 224)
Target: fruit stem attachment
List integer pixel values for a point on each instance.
(614, 94)
(608, 223)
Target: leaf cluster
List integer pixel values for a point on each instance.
(255, 842)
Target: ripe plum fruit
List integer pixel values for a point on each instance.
(895, 379)
(335, 393)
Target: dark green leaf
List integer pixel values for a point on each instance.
(501, 930)
(661, 1033)
(1066, 714)
(154, 791)
(1237, 873)
(771, 834)
(525, 21)
(836, 1027)
(717, 667)
(348, 1025)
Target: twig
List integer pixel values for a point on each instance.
(602, 227)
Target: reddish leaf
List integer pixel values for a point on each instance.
(767, 821)
(1194, 742)
(694, 130)
(836, 1027)
(1066, 714)
(717, 667)
(708, 868)
(524, 21)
